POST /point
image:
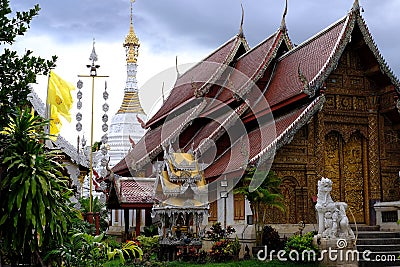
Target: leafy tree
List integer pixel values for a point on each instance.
(34, 192)
(267, 195)
(17, 72)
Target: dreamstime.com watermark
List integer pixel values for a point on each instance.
(333, 254)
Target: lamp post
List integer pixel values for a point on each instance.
(224, 194)
(93, 74)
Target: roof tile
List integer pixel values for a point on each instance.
(310, 56)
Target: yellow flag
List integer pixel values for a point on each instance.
(55, 123)
(59, 95)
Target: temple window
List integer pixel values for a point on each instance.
(238, 206)
(116, 215)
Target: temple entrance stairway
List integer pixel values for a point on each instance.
(383, 245)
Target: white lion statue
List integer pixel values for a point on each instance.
(332, 219)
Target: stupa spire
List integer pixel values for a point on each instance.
(131, 43)
(126, 126)
(131, 102)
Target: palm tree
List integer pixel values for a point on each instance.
(262, 198)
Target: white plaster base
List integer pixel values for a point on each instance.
(338, 255)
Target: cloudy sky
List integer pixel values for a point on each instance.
(185, 28)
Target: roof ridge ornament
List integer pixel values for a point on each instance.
(283, 22)
(356, 6)
(162, 92)
(304, 81)
(178, 75)
(240, 34)
(93, 55)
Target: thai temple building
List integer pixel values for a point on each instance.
(327, 107)
(125, 128)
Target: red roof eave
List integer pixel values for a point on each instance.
(276, 107)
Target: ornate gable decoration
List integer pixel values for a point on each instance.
(385, 69)
(352, 18)
(179, 172)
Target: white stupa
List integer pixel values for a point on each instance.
(126, 125)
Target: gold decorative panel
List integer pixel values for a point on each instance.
(356, 82)
(391, 187)
(359, 103)
(288, 190)
(373, 154)
(335, 81)
(353, 176)
(344, 165)
(332, 163)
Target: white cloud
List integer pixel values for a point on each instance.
(168, 28)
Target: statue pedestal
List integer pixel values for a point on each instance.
(337, 251)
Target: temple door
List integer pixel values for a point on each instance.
(345, 165)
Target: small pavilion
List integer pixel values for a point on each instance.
(180, 200)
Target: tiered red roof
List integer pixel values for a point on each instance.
(198, 76)
(289, 80)
(134, 192)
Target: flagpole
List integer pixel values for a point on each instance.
(48, 110)
(93, 74)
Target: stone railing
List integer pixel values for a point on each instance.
(387, 215)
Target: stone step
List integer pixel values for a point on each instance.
(364, 227)
(377, 264)
(378, 241)
(379, 248)
(378, 259)
(377, 234)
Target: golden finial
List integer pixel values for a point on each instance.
(131, 41)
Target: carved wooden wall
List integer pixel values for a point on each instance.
(350, 141)
(390, 162)
(345, 165)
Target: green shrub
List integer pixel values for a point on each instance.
(223, 249)
(270, 238)
(128, 251)
(149, 245)
(301, 244)
(150, 231)
(217, 233)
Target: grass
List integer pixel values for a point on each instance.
(247, 263)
